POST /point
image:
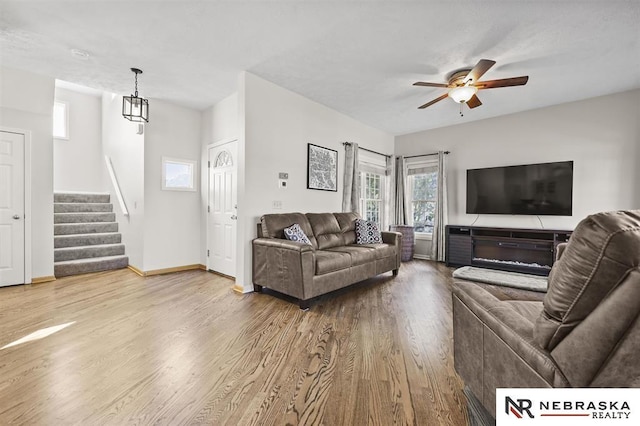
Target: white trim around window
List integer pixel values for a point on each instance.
(179, 174)
(413, 169)
(372, 196)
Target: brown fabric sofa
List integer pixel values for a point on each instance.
(585, 333)
(332, 261)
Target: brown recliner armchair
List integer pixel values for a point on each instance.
(586, 332)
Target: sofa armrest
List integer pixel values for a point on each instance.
(283, 265)
(510, 327)
(283, 244)
(394, 239)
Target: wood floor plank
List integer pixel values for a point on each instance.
(184, 348)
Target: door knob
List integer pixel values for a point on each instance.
(16, 216)
(234, 217)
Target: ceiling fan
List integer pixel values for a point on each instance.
(464, 84)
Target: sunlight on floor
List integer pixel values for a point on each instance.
(40, 334)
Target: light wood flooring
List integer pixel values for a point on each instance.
(185, 349)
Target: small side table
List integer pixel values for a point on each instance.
(408, 239)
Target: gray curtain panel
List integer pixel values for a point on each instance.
(400, 214)
(351, 181)
(441, 219)
(389, 208)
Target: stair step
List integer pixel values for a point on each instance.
(82, 207)
(69, 197)
(84, 228)
(85, 252)
(83, 266)
(77, 240)
(83, 217)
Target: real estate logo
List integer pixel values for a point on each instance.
(568, 406)
(518, 408)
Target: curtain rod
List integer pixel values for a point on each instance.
(426, 155)
(369, 150)
(386, 155)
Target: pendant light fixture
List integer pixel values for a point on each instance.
(135, 108)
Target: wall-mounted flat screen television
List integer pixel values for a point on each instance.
(532, 189)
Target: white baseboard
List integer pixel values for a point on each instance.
(422, 256)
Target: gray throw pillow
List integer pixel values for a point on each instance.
(295, 233)
(367, 232)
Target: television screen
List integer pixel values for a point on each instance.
(532, 189)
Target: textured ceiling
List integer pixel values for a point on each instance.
(359, 58)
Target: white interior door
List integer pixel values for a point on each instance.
(12, 237)
(222, 208)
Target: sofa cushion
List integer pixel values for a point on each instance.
(359, 255)
(273, 225)
(602, 250)
(326, 230)
(381, 250)
(367, 232)
(295, 233)
(347, 222)
(327, 261)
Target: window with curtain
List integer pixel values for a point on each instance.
(372, 194)
(374, 188)
(422, 195)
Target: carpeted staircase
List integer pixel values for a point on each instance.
(86, 237)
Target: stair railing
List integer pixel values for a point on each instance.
(116, 185)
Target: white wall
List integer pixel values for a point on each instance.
(278, 125)
(601, 135)
(26, 103)
(219, 124)
(172, 218)
(126, 150)
(78, 161)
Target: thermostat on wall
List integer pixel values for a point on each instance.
(282, 180)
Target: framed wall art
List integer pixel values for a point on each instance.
(322, 168)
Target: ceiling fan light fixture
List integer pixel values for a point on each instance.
(462, 94)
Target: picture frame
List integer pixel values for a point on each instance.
(322, 168)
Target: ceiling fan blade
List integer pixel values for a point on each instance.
(422, 83)
(481, 67)
(474, 102)
(504, 82)
(433, 101)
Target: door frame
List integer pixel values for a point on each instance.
(27, 197)
(207, 245)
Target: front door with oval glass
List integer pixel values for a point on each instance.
(222, 209)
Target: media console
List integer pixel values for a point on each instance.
(531, 251)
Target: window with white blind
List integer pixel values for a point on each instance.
(422, 190)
